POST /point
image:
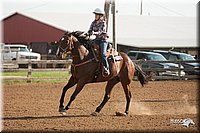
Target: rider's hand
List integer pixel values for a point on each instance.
(86, 34)
(90, 33)
(95, 33)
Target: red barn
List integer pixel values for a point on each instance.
(18, 28)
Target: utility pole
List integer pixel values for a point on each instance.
(141, 8)
(113, 11)
(106, 10)
(114, 25)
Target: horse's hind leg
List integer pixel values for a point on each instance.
(108, 90)
(70, 84)
(127, 92)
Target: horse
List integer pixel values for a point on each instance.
(84, 67)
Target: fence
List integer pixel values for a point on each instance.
(158, 73)
(42, 66)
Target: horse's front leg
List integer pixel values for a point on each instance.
(79, 87)
(70, 84)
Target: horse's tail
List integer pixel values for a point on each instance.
(142, 76)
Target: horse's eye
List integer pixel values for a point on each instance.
(63, 39)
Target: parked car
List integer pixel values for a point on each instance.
(18, 52)
(176, 56)
(142, 55)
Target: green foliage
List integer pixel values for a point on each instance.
(64, 75)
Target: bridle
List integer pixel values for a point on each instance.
(69, 45)
(63, 50)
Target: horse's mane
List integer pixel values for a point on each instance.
(80, 35)
(82, 38)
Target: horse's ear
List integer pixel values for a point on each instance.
(70, 34)
(67, 32)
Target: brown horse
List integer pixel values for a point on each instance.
(84, 70)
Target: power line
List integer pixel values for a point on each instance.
(170, 10)
(34, 7)
(152, 8)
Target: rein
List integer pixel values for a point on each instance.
(80, 64)
(83, 63)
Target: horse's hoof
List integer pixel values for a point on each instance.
(94, 114)
(62, 111)
(120, 114)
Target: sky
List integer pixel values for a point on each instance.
(181, 8)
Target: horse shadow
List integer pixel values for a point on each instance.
(44, 117)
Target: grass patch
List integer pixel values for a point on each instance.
(14, 74)
(11, 82)
(63, 74)
(50, 74)
(38, 74)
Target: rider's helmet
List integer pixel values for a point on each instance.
(98, 11)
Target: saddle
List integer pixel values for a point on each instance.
(111, 54)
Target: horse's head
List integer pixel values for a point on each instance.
(66, 44)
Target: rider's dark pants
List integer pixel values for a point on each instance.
(103, 48)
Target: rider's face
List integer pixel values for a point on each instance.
(97, 16)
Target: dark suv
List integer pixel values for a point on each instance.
(143, 55)
(176, 56)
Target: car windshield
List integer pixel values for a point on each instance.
(185, 57)
(155, 57)
(21, 49)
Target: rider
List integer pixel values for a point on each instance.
(98, 28)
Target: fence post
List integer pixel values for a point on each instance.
(29, 72)
(17, 54)
(179, 70)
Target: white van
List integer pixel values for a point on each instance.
(18, 52)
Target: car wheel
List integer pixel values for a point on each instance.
(153, 75)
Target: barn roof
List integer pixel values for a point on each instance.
(137, 31)
(31, 18)
(20, 28)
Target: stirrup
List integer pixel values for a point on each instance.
(105, 72)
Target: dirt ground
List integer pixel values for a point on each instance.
(159, 106)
